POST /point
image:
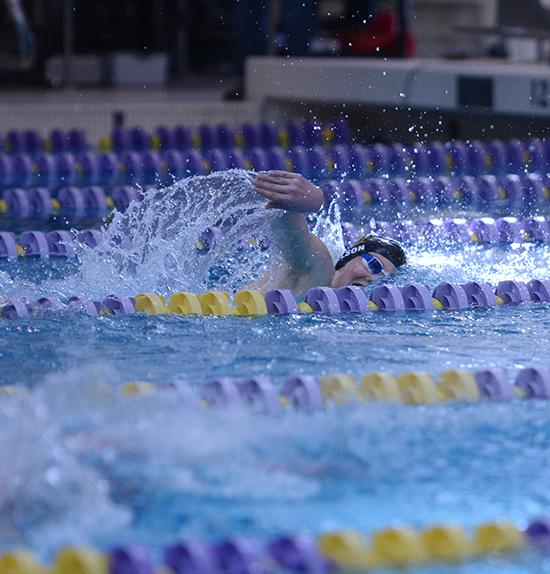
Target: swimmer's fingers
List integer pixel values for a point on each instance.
(269, 187)
(270, 195)
(274, 205)
(282, 174)
(273, 182)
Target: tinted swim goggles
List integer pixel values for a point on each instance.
(373, 264)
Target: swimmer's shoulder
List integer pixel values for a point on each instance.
(321, 269)
(322, 258)
(318, 272)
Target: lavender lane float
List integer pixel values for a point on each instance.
(434, 158)
(339, 550)
(450, 232)
(307, 393)
(354, 197)
(92, 197)
(180, 137)
(421, 162)
(224, 136)
(329, 149)
(322, 300)
(74, 203)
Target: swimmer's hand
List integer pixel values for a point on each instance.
(290, 191)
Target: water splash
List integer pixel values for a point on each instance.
(152, 246)
(518, 262)
(328, 228)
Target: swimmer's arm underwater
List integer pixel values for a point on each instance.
(307, 261)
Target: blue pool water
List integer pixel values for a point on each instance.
(160, 349)
(89, 465)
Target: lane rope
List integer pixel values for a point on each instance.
(306, 393)
(338, 550)
(318, 300)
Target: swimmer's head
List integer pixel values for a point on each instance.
(370, 259)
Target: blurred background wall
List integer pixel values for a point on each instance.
(133, 42)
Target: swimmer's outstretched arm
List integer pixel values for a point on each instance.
(306, 256)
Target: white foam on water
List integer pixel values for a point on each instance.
(47, 496)
(80, 455)
(84, 458)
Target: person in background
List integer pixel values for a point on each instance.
(377, 28)
(256, 27)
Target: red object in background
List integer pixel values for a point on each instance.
(380, 37)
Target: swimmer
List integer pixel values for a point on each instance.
(306, 260)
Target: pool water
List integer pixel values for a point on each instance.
(159, 349)
(88, 465)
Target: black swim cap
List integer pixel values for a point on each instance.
(388, 248)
